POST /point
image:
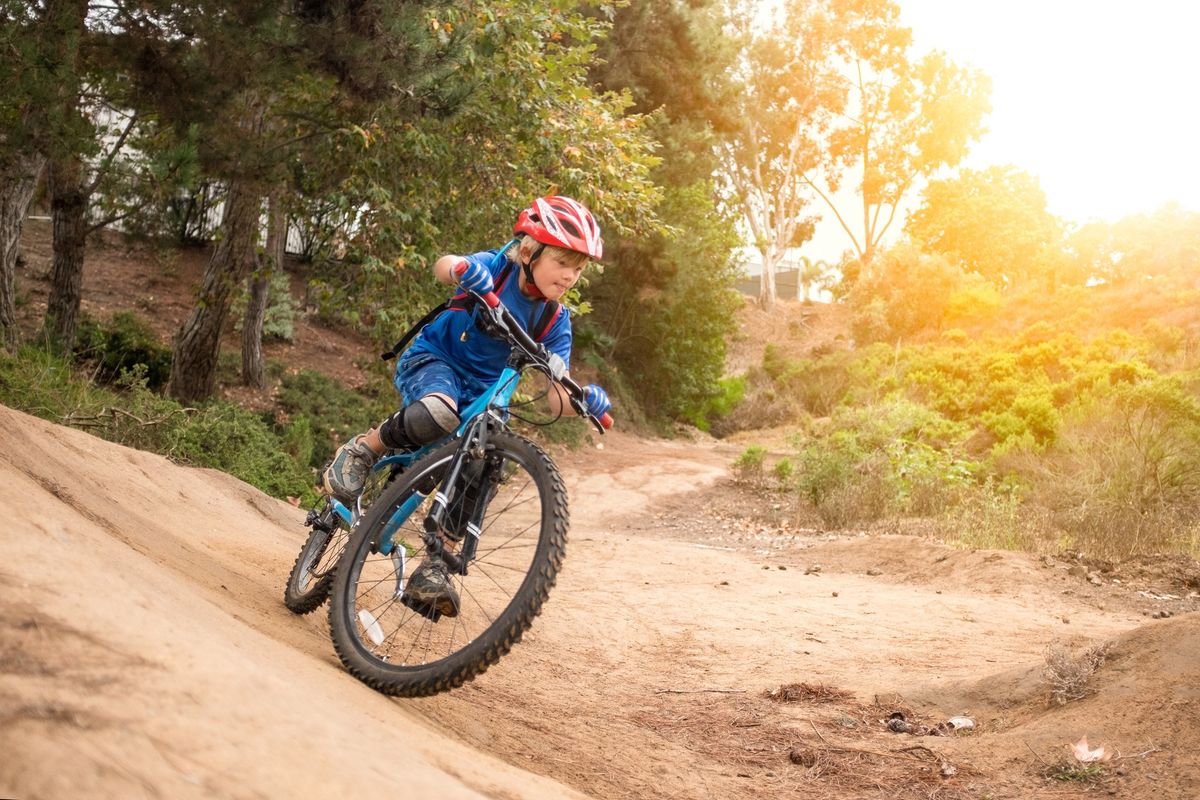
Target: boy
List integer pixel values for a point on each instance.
(450, 363)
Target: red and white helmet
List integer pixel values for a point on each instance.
(562, 222)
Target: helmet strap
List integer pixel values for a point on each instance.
(531, 287)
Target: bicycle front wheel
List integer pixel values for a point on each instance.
(384, 639)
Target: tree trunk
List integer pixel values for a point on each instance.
(18, 180)
(234, 258)
(68, 209)
(766, 292)
(253, 373)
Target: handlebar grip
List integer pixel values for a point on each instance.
(491, 298)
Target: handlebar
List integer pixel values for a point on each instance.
(520, 337)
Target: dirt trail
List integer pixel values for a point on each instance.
(144, 651)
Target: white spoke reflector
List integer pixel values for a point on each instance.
(371, 625)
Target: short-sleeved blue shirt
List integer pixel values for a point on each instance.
(476, 357)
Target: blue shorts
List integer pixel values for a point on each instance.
(421, 374)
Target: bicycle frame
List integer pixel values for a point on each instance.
(498, 396)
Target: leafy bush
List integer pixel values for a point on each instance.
(236, 441)
(748, 467)
(729, 392)
(218, 435)
(280, 316)
(122, 343)
(333, 412)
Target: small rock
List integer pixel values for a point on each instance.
(1121, 771)
(1094, 579)
(874, 572)
(948, 770)
(766, 566)
(1066, 620)
(835, 594)
(781, 566)
(805, 758)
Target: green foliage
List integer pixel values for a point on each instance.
(121, 344)
(730, 392)
(993, 223)
(217, 435)
(907, 293)
(233, 440)
(332, 412)
(748, 467)
(279, 319)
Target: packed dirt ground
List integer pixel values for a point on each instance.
(700, 643)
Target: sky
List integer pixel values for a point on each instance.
(1100, 100)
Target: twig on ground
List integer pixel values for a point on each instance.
(699, 691)
(1035, 754)
(817, 732)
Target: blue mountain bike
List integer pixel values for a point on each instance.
(487, 502)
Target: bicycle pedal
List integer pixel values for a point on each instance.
(424, 609)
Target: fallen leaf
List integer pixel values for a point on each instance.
(1085, 755)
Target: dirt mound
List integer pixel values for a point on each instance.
(1139, 704)
(144, 649)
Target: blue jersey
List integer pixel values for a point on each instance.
(472, 354)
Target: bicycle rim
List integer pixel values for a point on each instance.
(399, 650)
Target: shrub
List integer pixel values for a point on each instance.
(334, 412)
(122, 343)
(1068, 675)
(748, 467)
(280, 316)
(217, 435)
(236, 441)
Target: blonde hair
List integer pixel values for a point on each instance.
(528, 244)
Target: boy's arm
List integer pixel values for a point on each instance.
(595, 400)
(443, 269)
(559, 400)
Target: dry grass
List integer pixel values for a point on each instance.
(784, 741)
(807, 693)
(1068, 675)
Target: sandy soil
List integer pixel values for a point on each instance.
(145, 651)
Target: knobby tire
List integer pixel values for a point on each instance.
(384, 649)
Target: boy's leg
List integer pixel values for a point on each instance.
(430, 390)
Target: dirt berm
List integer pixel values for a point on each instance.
(145, 652)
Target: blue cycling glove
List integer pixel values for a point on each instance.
(595, 400)
(475, 278)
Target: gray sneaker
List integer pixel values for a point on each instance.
(345, 476)
(430, 586)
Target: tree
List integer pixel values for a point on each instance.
(812, 274)
(664, 303)
(1162, 244)
(993, 222)
(269, 86)
(782, 102)
(39, 53)
(901, 119)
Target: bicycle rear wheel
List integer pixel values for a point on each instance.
(397, 650)
(311, 578)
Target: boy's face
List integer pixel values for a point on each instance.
(554, 276)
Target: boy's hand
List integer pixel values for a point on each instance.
(474, 277)
(595, 400)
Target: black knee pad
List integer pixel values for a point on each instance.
(429, 419)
